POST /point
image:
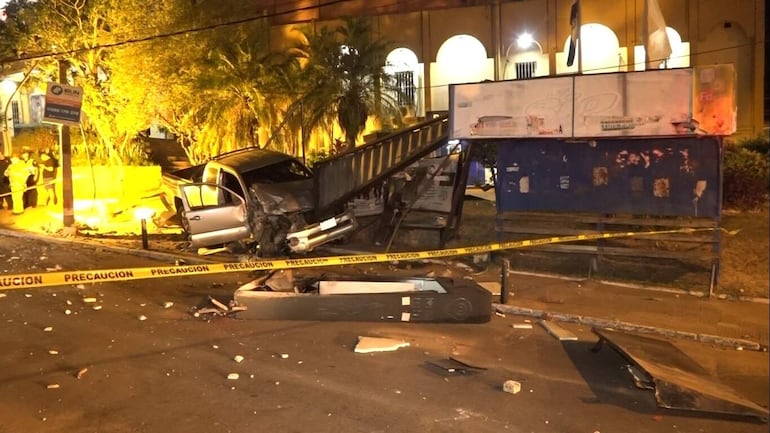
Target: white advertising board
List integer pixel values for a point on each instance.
(634, 104)
(517, 108)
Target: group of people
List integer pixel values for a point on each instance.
(23, 176)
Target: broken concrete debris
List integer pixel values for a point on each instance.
(238, 358)
(233, 376)
(453, 367)
(557, 331)
(219, 309)
(376, 344)
(511, 387)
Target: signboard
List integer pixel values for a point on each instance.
(650, 103)
(517, 108)
(62, 104)
(655, 103)
(714, 101)
(679, 176)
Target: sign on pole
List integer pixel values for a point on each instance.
(62, 104)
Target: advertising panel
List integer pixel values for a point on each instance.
(650, 103)
(714, 100)
(518, 108)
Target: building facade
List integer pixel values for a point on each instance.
(438, 43)
(441, 42)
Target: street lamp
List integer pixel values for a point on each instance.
(525, 42)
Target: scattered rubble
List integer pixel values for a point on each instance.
(238, 358)
(557, 331)
(453, 366)
(82, 372)
(522, 326)
(511, 387)
(233, 376)
(375, 344)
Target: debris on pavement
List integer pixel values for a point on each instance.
(238, 358)
(376, 344)
(168, 304)
(522, 326)
(557, 331)
(452, 366)
(218, 304)
(233, 376)
(142, 317)
(52, 386)
(511, 387)
(82, 372)
(679, 382)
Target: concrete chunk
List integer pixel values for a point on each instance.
(374, 344)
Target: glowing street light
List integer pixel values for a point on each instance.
(525, 42)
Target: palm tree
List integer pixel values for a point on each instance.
(345, 80)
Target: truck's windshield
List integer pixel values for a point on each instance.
(284, 171)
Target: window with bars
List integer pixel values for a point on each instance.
(405, 87)
(525, 70)
(16, 113)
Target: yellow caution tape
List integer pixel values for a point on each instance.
(27, 281)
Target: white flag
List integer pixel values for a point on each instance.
(656, 43)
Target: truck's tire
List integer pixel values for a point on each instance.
(182, 220)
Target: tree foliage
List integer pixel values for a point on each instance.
(346, 80)
(214, 84)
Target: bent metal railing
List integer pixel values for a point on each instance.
(340, 178)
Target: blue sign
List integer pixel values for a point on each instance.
(656, 176)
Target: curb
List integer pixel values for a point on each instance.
(733, 343)
(157, 255)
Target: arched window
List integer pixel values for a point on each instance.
(460, 59)
(601, 52)
(680, 53)
(524, 58)
(403, 66)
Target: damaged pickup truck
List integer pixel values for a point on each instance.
(254, 199)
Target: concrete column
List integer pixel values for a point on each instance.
(427, 59)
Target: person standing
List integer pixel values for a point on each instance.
(48, 171)
(18, 173)
(30, 191)
(5, 184)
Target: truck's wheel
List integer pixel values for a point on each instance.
(183, 221)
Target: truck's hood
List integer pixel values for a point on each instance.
(287, 197)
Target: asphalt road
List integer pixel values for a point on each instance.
(157, 369)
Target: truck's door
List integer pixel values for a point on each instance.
(215, 214)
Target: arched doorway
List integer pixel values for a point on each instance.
(680, 52)
(524, 58)
(601, 52)
(460, 59)
(403, 66)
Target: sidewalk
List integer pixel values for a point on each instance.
(729, 323)
(738, 324)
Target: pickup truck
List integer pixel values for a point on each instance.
(254, 198)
